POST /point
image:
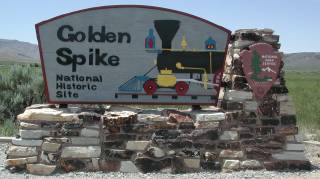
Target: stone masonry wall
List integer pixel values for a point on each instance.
(239, 135)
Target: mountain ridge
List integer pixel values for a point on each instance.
(18, 51)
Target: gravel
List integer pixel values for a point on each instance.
(311, 153)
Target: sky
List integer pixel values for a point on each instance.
(296, 21)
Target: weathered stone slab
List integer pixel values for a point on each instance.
(229, 135)
(250, 106)
(110, 165)
(40, 106)
(206, 125)
(270, 38)
(218, 116)
(21, 161)
(251, 164)
(26, 125)
(47, 114)
(25, 142)
(137, 145)
(89, 132)
(128, 167)
(295, 146)
(233, 95)
(50, 147)
(192, 163)
(151, 118)
(57, 139)
(242, 43)
(156, 152)
(231, 165)
(232, 154)
(289, 155)
(84, 141)
(33, 134)
(81, 152)
(19, 151)
(41, 169)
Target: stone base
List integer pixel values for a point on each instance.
(136, 140)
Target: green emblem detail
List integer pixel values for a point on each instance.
(255, 66)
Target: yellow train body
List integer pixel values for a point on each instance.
(166, 78)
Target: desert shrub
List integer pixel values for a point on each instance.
(20, 86)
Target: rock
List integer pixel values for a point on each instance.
(27, 143)
(41, 169)
(294, 147)
(288, 120)
(156, 152)
(256, 153)
(270, 38)
(47, 114)
(119, 154)
(251, 164)
(242, 43)
(288, 130)
(128, 167)
(84, 141)
(21, 161)
(81, 152)
(231, 165)
(72, 165)
(214, 117)
(89, 117)
(40, 106)
(110, 165)
(59, 140)
(137, 145)
(250, 106)
(210, 156)
(231, 105)
(93, 126)
(229, 135)
(120, 118)
(177, 117)
(147, 164)
(50, 147)
(211, 134)
(95, 164)
(192, 163)
(26, 125)
(231, 154)
(147, 118)
(19, 151)
(233, 95)
(207, 125)
(290, 155)
(33, 134)
(89, 132)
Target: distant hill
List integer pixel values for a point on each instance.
(17, 51)
(303, 61)
(14, 51)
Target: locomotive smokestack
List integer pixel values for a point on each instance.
(166, 29)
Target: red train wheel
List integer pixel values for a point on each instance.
(150, 87)
(182, 88)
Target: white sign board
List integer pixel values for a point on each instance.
(132, 54)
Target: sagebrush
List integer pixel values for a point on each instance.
(20, 86)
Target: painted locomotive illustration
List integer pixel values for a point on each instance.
(199, 67)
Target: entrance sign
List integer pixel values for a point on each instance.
(132, 54)
(261, 67)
